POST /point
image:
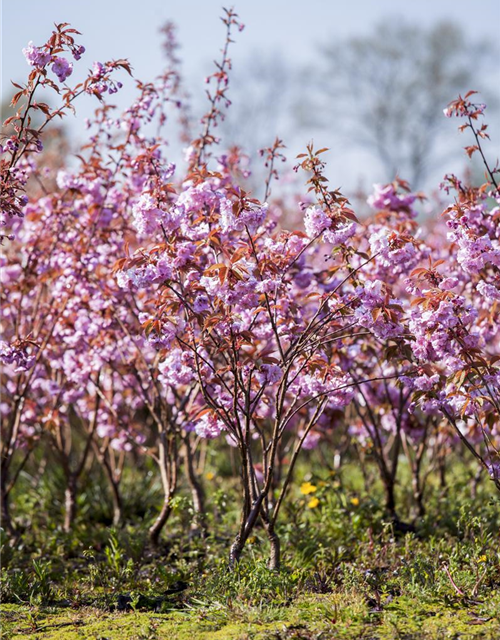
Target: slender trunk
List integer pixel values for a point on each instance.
(476, 482)
(235, 551)
(159, 523)
(196, 490)
(418, 489)
(239, 540)
(167, 461)
(414, 455)
(363, 466)
(390, 499)
(388, 481)
(246, 528)
(69, 505)
(251, 508)
(247, 524)
(443, 483)
(275, 547)
(274, 554)
(114, 484)
(6, 522)
(418, 493)
(117, 504)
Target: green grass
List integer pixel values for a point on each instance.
(346, 572)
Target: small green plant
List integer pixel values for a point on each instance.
(119, 567)
(41, 583)
(32, 617)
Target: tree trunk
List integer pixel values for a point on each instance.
(476, 482)
(156, 528)
(274, 552)
(6, 518)
(418, 491)
(117, 504)
(443, 482)
(390, 499)
(69, 505)
(235, 552)
(116, 497)
(196, 490)
(247, 524)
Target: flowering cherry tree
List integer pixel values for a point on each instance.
(252, 316)
(155, 309)
(455, 316)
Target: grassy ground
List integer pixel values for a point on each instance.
(346, 572)
(312, 617)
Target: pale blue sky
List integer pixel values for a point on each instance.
(292, 28)
(129, 28)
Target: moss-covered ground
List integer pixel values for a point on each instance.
(310, 617)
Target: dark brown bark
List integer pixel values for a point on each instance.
(114, 484)
(275, 548)
(246, 527)
(159, 523)
(443, 482)
(390, 498)
(418, 494)
(6, 522)
(235, 552)
(476, 481)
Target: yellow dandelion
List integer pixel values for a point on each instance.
(355, 502)
(306, 488)
(482, 558)
(210, 476)
(313, 503)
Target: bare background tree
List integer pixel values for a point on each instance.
(385, 92)
(377, 98)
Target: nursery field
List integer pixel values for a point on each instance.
(234, 407)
